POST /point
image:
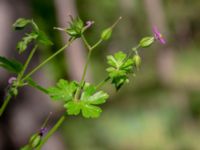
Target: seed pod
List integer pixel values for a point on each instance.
(106, 34)
(146, 42)
(137, 61)
(35, 140)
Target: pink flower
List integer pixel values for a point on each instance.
(89, 24)
(11, 80)
(158, 36)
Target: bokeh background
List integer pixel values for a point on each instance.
(158, 110)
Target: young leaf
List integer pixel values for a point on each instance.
(10, 65)
(43, 39)
(21, 23)
(120, 67)
(89, 98)
(23, 44)
(63, 90)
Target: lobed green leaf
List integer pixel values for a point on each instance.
(87, 103)
(63, 90)
(120, 67)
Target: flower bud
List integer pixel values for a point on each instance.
(35, 140)
(106, 34)
(146, 42)
(137, 61)
(76, 28)
(13, 91)
(21, 23)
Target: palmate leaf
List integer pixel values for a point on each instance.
(87, 103)
(10, 65)
(63, 90)
(120, 68)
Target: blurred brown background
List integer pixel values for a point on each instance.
(158, 110)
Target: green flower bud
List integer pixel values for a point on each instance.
(137, 60)
(35, 140)
(21, 23)
(106, 34)
(76, 27)
(146, 42)
(13, 91)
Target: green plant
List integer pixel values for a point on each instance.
(79, 98)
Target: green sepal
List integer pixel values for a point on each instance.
(76, 28)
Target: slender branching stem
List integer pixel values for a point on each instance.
(27, 63)
(48, 59)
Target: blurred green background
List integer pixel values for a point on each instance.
(160, 108)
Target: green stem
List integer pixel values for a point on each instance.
(83, 76)
(97, 44)
(90, 48)
(27, 63)
(48, 59)
(51, 132)
(86, 42)
(5, 103)
(18, 80)
(116, 22)
(102, 82)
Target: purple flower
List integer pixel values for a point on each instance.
(43, 131)
(89, 24)
(158, 36)
(11, 80)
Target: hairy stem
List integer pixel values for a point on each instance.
(5, 103)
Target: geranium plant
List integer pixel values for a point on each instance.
(78, 97)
